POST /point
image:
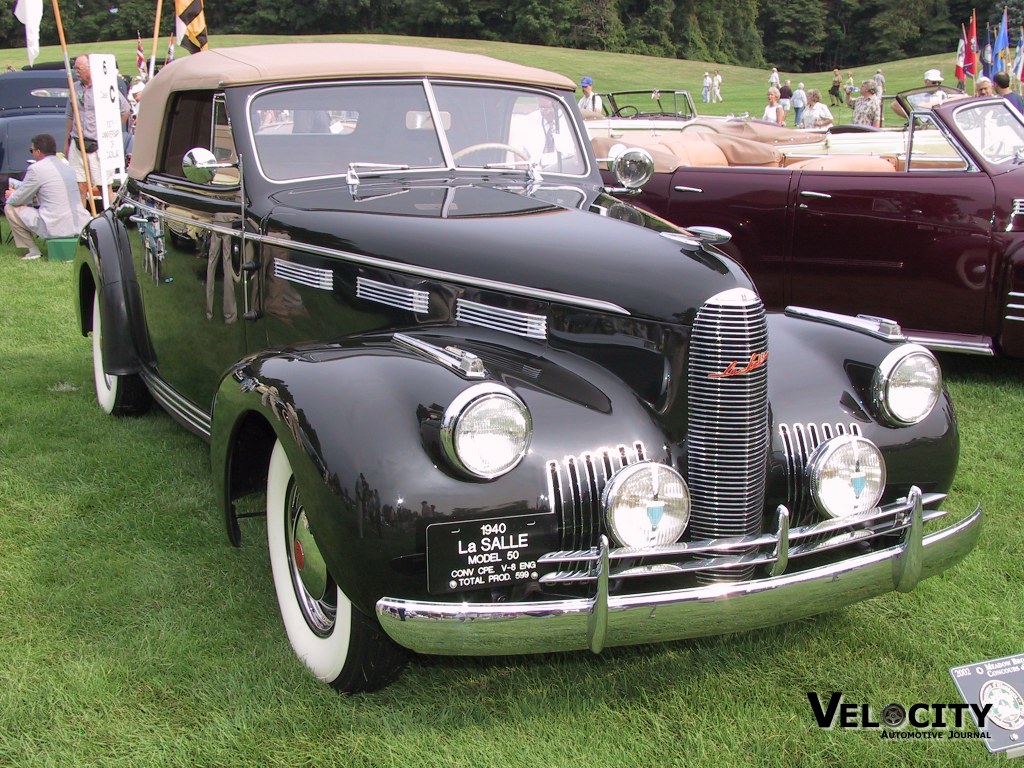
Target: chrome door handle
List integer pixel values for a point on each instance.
(822, 195)
(698, 190)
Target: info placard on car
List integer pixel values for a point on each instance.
(477, 554)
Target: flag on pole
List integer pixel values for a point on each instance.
(986, 53)
(1018, 60)
(170, 51)
(960, 51)
(1001, 48)
(140, 58)
(971, 49)
(30, 13)
(190, 24)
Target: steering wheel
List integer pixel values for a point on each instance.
(490, 145)
(627, 110)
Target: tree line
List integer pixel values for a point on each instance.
(796, 35)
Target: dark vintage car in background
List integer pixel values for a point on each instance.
(493, 409)
(31, 102)
(923, 225)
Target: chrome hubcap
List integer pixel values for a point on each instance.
(313, 586)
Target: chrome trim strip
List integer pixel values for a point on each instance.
(407, 269)
(1016, 209)
(171, 400)
(508, 320)
(436, 274)
(487, 629)
(393, 295)
(314, 277)
(210, 225)
(948, 345)
(879, 327)
(873, 522)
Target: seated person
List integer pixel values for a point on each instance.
(50, 182)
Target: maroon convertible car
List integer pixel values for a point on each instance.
(923, 225)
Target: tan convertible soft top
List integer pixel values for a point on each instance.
(290, 62)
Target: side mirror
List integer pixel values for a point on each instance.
(200, 166)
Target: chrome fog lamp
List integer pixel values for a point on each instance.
(486, 430)
(846, 475)
(646, 503)
(907, 385)
(633, 168)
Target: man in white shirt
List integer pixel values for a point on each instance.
(590, 102)
(49, 182)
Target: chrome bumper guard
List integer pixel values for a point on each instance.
(605, 620)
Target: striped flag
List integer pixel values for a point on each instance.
(1018, 60)
(170, 51)
(971, 49)
(140, 58)
(190, 24)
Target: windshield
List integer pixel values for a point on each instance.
(993, 129)
(315, 131)
(656, 103)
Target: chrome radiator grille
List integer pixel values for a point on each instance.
(575, 485)
(727, 444)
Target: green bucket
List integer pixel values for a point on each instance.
(61, 248)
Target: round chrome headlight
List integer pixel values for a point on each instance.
(907, 385)
(846, 475)
(646, 503)
(633, 168)
(486, 430)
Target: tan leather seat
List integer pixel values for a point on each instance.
(852, 163)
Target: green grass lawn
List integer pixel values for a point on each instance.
(133, 634)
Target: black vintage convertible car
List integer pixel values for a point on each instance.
(493, 410)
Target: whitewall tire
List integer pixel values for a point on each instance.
(116, 395)
(336, 642)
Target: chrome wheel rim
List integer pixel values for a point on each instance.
(313, 585)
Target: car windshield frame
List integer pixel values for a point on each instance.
(402, 126)
(659, 97)
(993, 130)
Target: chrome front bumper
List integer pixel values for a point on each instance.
(485, 629)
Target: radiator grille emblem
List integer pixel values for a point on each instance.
(757, 359)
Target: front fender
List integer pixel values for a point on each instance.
(359, 423)
(821, 375)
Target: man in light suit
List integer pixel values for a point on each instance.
(49, 184)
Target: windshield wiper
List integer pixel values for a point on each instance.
(353, 178)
